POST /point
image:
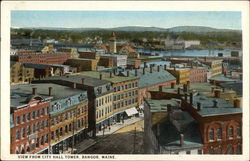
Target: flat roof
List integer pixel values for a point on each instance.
(106, 76)
(208, 107)
(160, 105)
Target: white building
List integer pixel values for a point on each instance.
(190, 43)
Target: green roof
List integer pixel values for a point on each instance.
(161, 105)
(106, 76)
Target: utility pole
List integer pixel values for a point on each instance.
(134, 139)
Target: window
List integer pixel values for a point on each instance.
(199, 151)
(66, 129)
(37, 126)
(115, 89)
(37, 142)
(46, 138)
(46, 123)
(42, 124)
(219, 150)
(52, 121)
(211, 150)
(23, 118)
(33, 114)
(238, 132)
(47, 110)
(33, 128)
(239, 150)
(230, 150)
(28, 116)
(57, 133)
(17, 134)
(17, 120)
(219, 133)
(96, 114)
(69, 127)
(42, 140)
(28, 130)
(42, 111)
(37, 113)
(126, 86)
(188, 152)
(23, 132)
(211, 134)
(231, 132)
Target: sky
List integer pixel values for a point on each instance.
(109, 19)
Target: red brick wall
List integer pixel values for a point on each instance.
(17, 143)
(197, 75)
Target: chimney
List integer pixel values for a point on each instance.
(50, 91)
(212, 89)
(181, 139)
(100, 76)
(174, 68)
(217, 93)
(29, 80)
(225, 74)
(191, 98)
(114, 71)
(145, 64)
(34, 90)
(83, 80)
(215, 103)
(205, 58)
(74, 85)
(110, 74)
(185, 97)
(236, 103)
(198, 106)
(223, 89)
(169, 108)
(151, 69)
(188, 85)
(172, 85)
(179, 90)
(127, 73)
(158, 68)
(160, 88)
(185, 87)
(165, 67)
(143, 72)
(136, 72)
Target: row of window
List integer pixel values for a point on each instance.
(40, 141)
(103, 111)
(68, 128)
(125, 95)
(31, 129)
(101, 101)
(68, 115)
(219, 133)
(125, 103)
(126, 86)
(32, 115)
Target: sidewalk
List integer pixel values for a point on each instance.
(120, 125)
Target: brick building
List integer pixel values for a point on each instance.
(198, 75)
(82, 64)
(66, 120)
(19, 73)
(41, 58)
(30, 120)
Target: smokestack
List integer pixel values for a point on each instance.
(236, 103)
(100, 76)
(158, 68)
(83, 80)
(50, 91)
(160, 88)
(198, 106)
(217, 93)
(172, 85)
(181, 139)
(127, 73)
(136, 72)
(34, 90)
(151, 69)
(143, 71)
(191, 98)
(179, 90)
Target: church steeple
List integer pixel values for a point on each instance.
(112, 43)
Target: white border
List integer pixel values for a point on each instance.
(6, 7)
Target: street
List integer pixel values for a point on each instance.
(126, 140)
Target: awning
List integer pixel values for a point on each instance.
(131, 111)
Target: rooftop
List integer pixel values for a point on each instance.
(106, 76)
(149, 79)
(224, 79)
(161, 105)
(77, 78)
(212, 106)
(21, 94)
(237, 87)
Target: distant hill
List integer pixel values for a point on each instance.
(194, 29)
